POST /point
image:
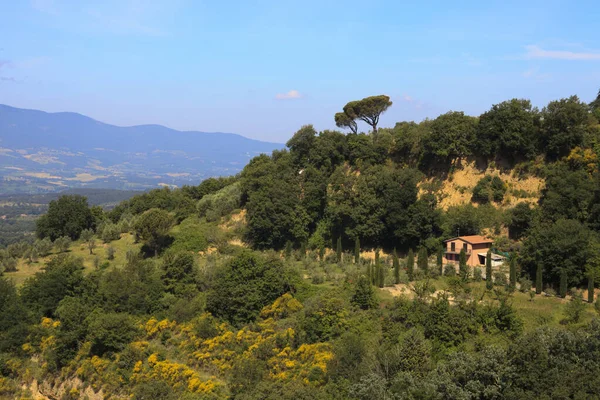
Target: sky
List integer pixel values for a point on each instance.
(265, 68)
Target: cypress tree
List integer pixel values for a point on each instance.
(339, 249)
(563, 283)
(440, 261)
(513, 272)
(410, 264)
(423, 260)
(591, 287)
(538, 279)
(288, 250)
(322, 252)
(302, 250)
(462, 265)
(364, 295)
(356, 251)
(489, 284)
(396, 268)
(379, 269)
(370, 272)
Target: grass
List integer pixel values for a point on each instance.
(78, 249)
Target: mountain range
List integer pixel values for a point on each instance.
(46, 152)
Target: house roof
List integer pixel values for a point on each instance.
(472, 239)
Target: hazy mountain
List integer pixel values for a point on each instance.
(42, 151)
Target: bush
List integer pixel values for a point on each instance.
(62, 244)
(111, 332)
(110, 253)
(525, 285)
(450, 270)
(500, 278)
(477, 274)
(110, 232)
(489, 189)
(574, 309)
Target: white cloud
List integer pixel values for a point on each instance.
(537, 52)
(292, 94)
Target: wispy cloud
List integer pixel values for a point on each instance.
(292, 94)
(534, 73)
(536, 52)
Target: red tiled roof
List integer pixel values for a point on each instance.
(472, 239)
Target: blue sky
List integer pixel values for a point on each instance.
(264, 68)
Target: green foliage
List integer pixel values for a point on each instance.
(67, 216)
(14, 318)
(356, 251)
(324, 318)
(574, 309)
(338, 251)
(364, 295)
(221, 203)
(489, 188)
(247, 284)
(423, 260)
(539, 279)
(62, 276)
(450, 136)
(563, 283)
(410, 264)
(563, 126)
(463, 268)
(509, 129)
(513, 272)
(368, 110)
(488, 271)
(62, 244)
(563, 245)
(520, 219)
(153, 226)
(396, 264)
(111, 332)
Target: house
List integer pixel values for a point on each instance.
(475, 246)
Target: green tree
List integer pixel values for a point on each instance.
(62, 276)
(410, 264)
(451, 136)
(111, 332)
(288, 250)
(343, 120)
(520, 219)
(67, 216)
(338, 251)
(63, 243)
(423, 260)
(152, 227)
(356, 251)
(509, 129)
(396, 267)
(563, 126)
(513, 272)
(247, 284)
(462, 265)
(368, 109)
(564, 245)
(440, 260)
(364, 295)
(563, 283)
(379, 269)
(538, 279)
(301, 144)
(590, 287)
(489, 284)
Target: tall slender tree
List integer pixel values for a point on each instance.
(538, 279)
(489, 284)
(379, 269)
(423, 260)
(396, 267)
(339, 249)
(356, 251)
(440, 261)
(288, 250)
(590, 287)
(462, 265)
(513, 272)
(563, 283)
(410, 264)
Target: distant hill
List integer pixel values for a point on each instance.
(46, 152)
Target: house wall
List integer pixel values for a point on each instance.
(452, 256)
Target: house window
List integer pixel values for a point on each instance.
(465, 247)
(453, 246)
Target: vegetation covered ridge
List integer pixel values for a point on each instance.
(323, 272)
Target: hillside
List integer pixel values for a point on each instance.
(42, 151)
